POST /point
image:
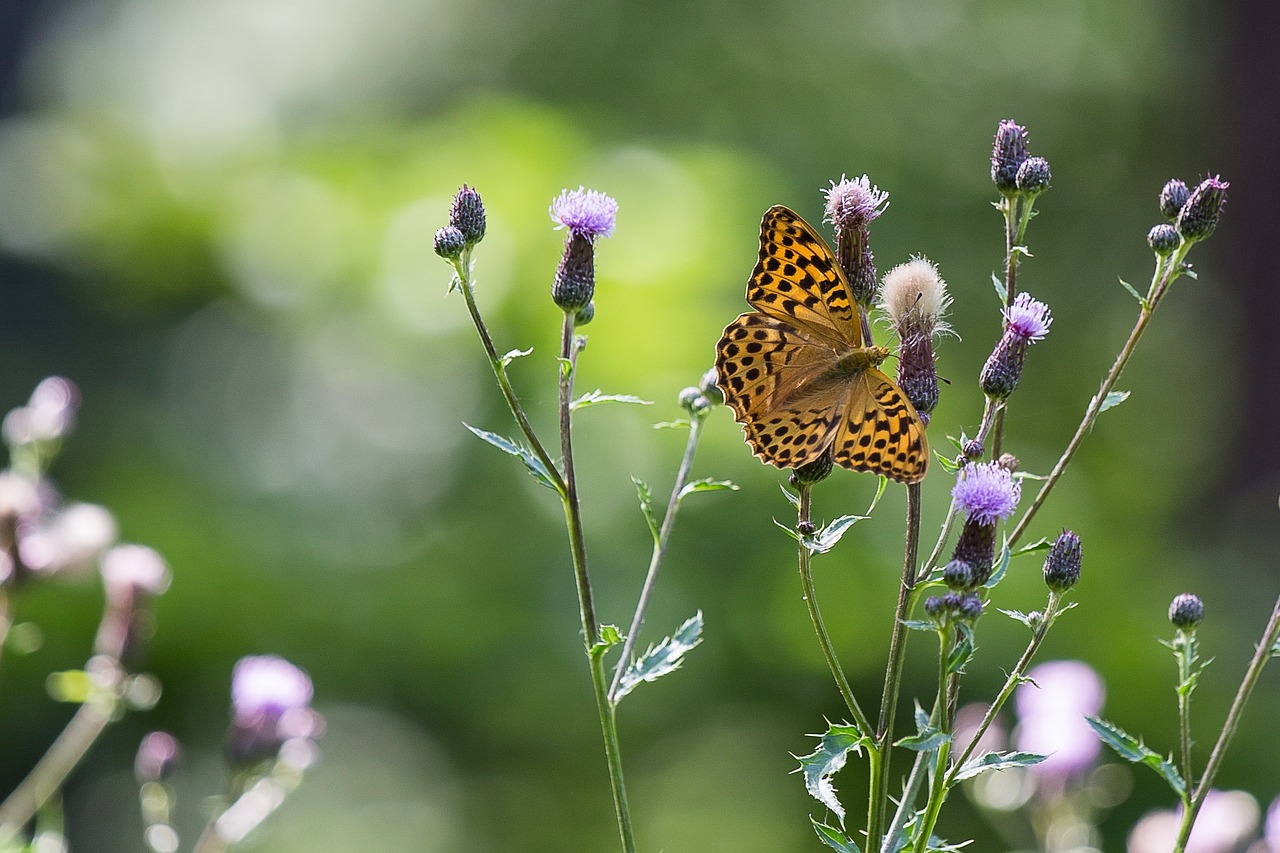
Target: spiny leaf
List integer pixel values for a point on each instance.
(826, 538)
(646, 506)
(1031, 620)
(1134, 750)
(792, 497)
(787, 530)
(925, 741)
(997, 761)
(609, 637)
(884, 484)
(513, 355)
(961, 652)
(506, 445)
(834, 838)
(825, 761)
(664, 657)
(593, 397)
(706, 485)
(1113, 399)
(1002, 566)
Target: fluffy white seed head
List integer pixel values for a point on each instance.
(915, 298)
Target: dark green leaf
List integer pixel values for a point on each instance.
(925, 741)
(662, 658)
(506, 445)
(1134, 750)
(609, 637)
(788, 530)
(1142, 300)
(834, 838)
(997, 761)
(593, 397)
(706, 485)
(948, 464)
(1113, 399)
(646, 506)
(825, 761)
(961, 652)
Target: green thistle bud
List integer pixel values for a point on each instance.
(812, 472)
(1062, 566)
(1163, 239)
(1186, 611)
(449, 243)
(958, 575)
(585, 314)
(707, 385)
(689, 399)
(467, 215)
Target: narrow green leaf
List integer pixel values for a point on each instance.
(788, 530)
(925, 741)
(646, 506)
(506, 445)
(1134, 750)
(1275, 649)
(1023, 250)
(792, 497)
(961, 652)
(707, 485)
(593, 397)
(1113, 399)
(1038, 545)
(679, 423)
(880, 490)
(1002, 566)
(1031, 620)
(958, 443)
(825, 761)
(513, 355)
(1142, 300)
(920, 624)
(834, 838)
(662, 658)
(948, 464)
(826, 538)
(999, 285)
(566, 367)
(1027, 475)
(997, 761)
(609, 637)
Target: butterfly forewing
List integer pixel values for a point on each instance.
(797, 279)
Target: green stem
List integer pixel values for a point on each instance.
(659, 552)
(1186, 654)
(893, 669)
(1270, 635)
(1166, 273)
(815, 615)
(938, 782)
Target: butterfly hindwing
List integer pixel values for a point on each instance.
(881, 431)
(797, 279)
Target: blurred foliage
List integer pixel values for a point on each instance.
(218, 215)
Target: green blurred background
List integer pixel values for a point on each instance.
(216, 218)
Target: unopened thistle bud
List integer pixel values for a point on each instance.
(585, 314)
(986, 493)
(1186, 611)
(1026, 321)
(969, 607)
(972, 450)
(1062, 566)
(707, 385)
(933, 605)
(1173, 196)
(851, 206)
(1163, 239)
(915, 299)
(1007, 156)
(449, 243)
(587, 215)
(812, 472)
(692, 401)
(467, 215)
(958, 575)
(1200, 215)
(1034, 176)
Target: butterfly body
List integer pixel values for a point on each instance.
(797, 373)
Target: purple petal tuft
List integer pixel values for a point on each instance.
(588, 213)
(1028, 318)
(985, 491)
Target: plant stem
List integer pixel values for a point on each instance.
(569, 349)
(1270, 635)
(893, 669)
(1186, 654)
(659, 552)
(1166, 273)
(815, 615)
(938, 780)
(1012, 235)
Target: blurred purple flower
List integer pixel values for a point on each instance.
(1051, 716)
(270, 703)
(1226, 820)
(586, 213)
(1271, 830)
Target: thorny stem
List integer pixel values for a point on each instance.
(1270, 635)
(659, 552)
(815, 615)
(893, 669)
(1166, 272)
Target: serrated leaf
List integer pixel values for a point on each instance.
(1001, 566)
(1135, 751)
(826, 538)
(609, 637)
(1275, 649)
(1142, 300)
(646, 506)
(920, 624)
(678, 423)
(1031, 620)
(593, 397)
(961, 652)
(663, 658)
(925, 741)
(834, 838)
(506, 445)
(825, 761)
(792, 497)
(706, 485)
(997, 761)
(1113, 399)
(999, 285)
(512, 355)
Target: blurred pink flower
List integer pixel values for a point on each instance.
(1226, 819)
(1051, 716)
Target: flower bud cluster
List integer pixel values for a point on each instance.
(1192, 215)
(1013, 170)
(954, 606)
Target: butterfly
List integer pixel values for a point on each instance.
(797, 373)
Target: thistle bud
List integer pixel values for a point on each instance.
(812, 472)
(1163, 239)
(692, 401)
(969, 606)
(1034, 176)
(1200, 215)
(1186, 611)
(933, 605)
(915, 299)
(707, 385)
(449, 243)
(1062, 566)
(587, 215)
(1026, 321)
(1007, 156)
(1173, 196)
(972, 450)
(851, 206)
(958, 575)
(467, 215)
(585, 314)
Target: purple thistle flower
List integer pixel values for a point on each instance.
(854, 203)
(986, 492)
(1028, 318)
(586, 213)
